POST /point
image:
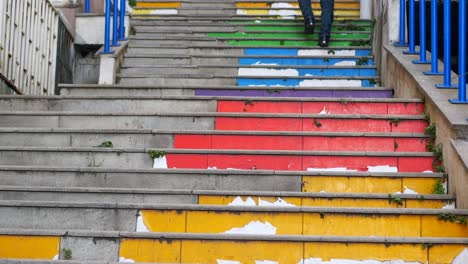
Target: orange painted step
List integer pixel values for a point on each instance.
(316, 142)
(323, 124)
(330, 107)
(300, 161)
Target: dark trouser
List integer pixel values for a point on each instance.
(327, 14)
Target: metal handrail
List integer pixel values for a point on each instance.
(10, 85)
(118, 23)
(434, 45)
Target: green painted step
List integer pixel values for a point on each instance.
(286, 35)
(297, 43)
(301, 28)
(298, 21)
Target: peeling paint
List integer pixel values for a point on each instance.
(407, 190)
(462, 258)
(324, 52)
(282, 5)
(239, 202)
(384, 168)
(241, 12)
(324, 111)
(124, 260)
(267, 72)
(283, 12)
(266, 262)
(56, 257)
(330, 83)
(222, 261)
(449, 206)
(160, 163)
(330, 169)
(141, 227)
(278, 202)
(254, 228)
(260, 63)
(346, 63)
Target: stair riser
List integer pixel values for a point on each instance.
(139, 160)
(149, 198)
(343, 107)
(296, 93)
(108, 105)
(184, 221)
(132, 62)
(123, 140)
(177, 250)
(262, 43)
(154, 180)
(169, 70)
(246, 81)
(109, 91)
(110, 122)
(219, 12)
(300, 143)
(90, 197)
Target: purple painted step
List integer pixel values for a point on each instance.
(358, 93)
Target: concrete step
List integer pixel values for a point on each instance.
(256, 80)
(222, 159)
(204, 197)
(227, 91)
(317, 141)
(246, 70)
(231, 180)
(212, 104)
(288, 220)
(241, 21)
(177, 247)
(218, 121)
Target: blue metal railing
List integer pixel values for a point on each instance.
(434, 44)
(118, 22)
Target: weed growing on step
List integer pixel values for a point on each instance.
(395, 122)
(248, 102)
(459, 219)
(373, 82)
(270, 91)
(395, 199)
(421, 198)
(67, 254)
(362, 61)
(395, 146)
(360, 42)
(156, 154)
(106, 144)
(326, 60)
(93, 164)
(331, 52)
(317, 123)
(350, 27)
(426, 246)
(438, 187)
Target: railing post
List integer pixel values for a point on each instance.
(107, 29)
(123, 6)
(461, 54)
(412, 47)
(115, 24)
(434, 44)
(87, 6)
(402, 42)
(422, 33)
(447, 47)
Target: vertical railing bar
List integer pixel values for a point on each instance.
(434, 44)
(27, 61)
(402, 42)
(8, 27)
(34, 65)
(422, 34)
(23, 45)
(447, 47)
(46, 52)
(123, 6)
(107, 29)
(87, 6)
(115, 24)
(53, 56)
(40, 41)
(411, 33)
(17, 49)
(461, 54)
(50, 15)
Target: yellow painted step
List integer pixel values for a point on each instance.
(295, 5)
(158, 5)
(392, 201)
(315, 221)
(212, 250)
(29, 247)
(281, 12)
(370, 184)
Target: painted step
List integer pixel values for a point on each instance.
(325, 106)
(218, 121)
(334, 141)
(232, 180)
(252, 70)
(345, 16)
(290, 220)
(228, 91)
(220, 159)
(241, 21)
(185, 248)
(203, 197)
(285, 35)
(270, 81)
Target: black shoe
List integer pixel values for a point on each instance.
(309, 26)
(323, 41)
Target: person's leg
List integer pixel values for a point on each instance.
(327, 20)
(309, 19)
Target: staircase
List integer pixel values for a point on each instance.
(230, 138)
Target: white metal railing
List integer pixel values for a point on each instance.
(28, 44)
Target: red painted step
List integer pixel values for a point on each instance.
(297, 161)
(343, 107)
(315, 143)
(322, 124)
